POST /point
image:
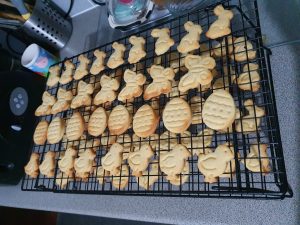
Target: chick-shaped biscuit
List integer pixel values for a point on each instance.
(98, 64)
(164, 41)
(45, 107)
(83, 97)
(257, 159)
(53, 76)
(32, 167)
(48, 165)
(82, 69)
(84, 164)
(64, 98)
(66, 163)
(116, 59)
(109, 86)
(137, 52)
(113, 159)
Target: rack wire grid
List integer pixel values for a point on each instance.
(239, 182)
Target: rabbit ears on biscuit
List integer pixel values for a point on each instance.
(189, 26)
(118, 47)
(220, 11)
(135, 40)
(99, 54)
(159, 32)
(167, 72)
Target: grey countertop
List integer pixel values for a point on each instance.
(285, 66)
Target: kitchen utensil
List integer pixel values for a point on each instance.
(179, 6)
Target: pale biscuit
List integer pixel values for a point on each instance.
(219, 110)
(113, 159)
(164, 41)
(172, 162)
(53, 76)
(40, 133)
(148, 178)
(196, 103)
(199, 72)
(137, 51)
(63, 102)
(191, 40)
(82, 69)
(221, 48)
(32, 167)
(83, 165)
(221, 26)
(120, 180)
(66, 76)
(101, 174)
(152, 140)
(61, 180)
(116, 59)
(184, 177)
(56, 130)
(119, 120)
(98, 64)
(162, 82)
(107, 140)
(83, 97)
(97, 122)
(133, 87)
(66, 163)
(139, 160)
(48, 165)
(145, 121)
(109, 86)
(47, 102)
(126, 141)
(249, 79)
(177, 115)
(75, 127)
(243, 50)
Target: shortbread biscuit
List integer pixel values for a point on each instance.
(107, 140)
(137, 51)
(63, 102)
(61, 180)
(133, 87)
(191, 40)
(75, 127)
(113, 159)
(45, 107)
(82, 69)
(98, 64)
(221, 48)
(83, 165)
(172, 162)
(177, 115)
(40, 133)
(219, 110)
(162, 82)
(109, 86)
(164, 41)
(152, 140)
(196, 106)
(119, 120)
(101, 174)
(126, 141)
(56, 130)
(221, 26)
(66, 163)
(53, 77)
(149, 177)
(83, 97)
(184, 177)
(120, 180)
(249, 79)
(116, 59)
(32, 167)
(199, 72)
(139, 160)
(48, 165)
(243, 50)
(66, 76)
(97, 122)
(145, 121)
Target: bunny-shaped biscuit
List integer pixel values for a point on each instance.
(53, 76)
(116, 59)
(83, 97)
(66, 76)
(172, 163)
(84, 164)
(113, 159)
(257, 160)
(109, 86)
(137, 52)
(48, 165)
(82, 69)
(221, 26)
(199, 72)
(66, 163)
(162, 81)
(244, 81)
(190, 41)
(139, 160)
(98, 64)
(32, 167)
(213, 164)
(45, 107)
(164, 42)
(133, 87)
(64, 98)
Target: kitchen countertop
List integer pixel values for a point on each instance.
(285, 66)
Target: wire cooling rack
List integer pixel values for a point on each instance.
(240, 182)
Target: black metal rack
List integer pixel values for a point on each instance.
(241, 184)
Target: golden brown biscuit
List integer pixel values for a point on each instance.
(32, 167)
(82, 69)
(98, 64)
(63, 102)
(66, 76)
(61, 180)
(109, 86)
(53, 76)
(164, 41)
(45, 107)
(83, 97)
(113, 159)
(191, 40)
(97, 122)
(119, 120)
(56, 130)
(137, 52)
(66, 163)
(84, 164)
(75, 127)
(48, 165)
(116, 59)
(40, 133)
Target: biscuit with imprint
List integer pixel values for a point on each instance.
(97, 122)
(243, 50)
(75, 127)
(119, 120)
(53, 76)
(116, 58)
(113, 159)
(107, 93)
(249, 79)
(66, 163)
(191, 40)
(149, 177)
(48, 165)
(56, 130)
(66, 75)
(63, 102)
(137, 51)
(47, 102)
(82, 69)
(40, 133)
(164, 42)
(83, 97)
(98, 64)
(83, 165)
(120, 180)
(32, 167)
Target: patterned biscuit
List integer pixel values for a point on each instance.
(56, 130)
(181, 179)
(196, 106)
(249, 79)
(32, 167)
(148, 178)
(64, 98)
(164, 41)
(133, 87)
(109, 86)
(219, 110)
(221, 48)
(66, 76)
(83, 165)
(145, 121)
(82, 69)
(97, 122)
(53, 77)
(48, 165)
(83, 97)
(75, 127)
(126, 141)
(199, 72)
(177, 115)
(40, 133)
(113, 159)
(66, 163)
(120, 180)
(98, 64)
(45, 107)
(119, 120)
(221, 26)
(162, 82)
(243, 50)
(101, 174)
(191, 40)
(116, 59)
(137, 52)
